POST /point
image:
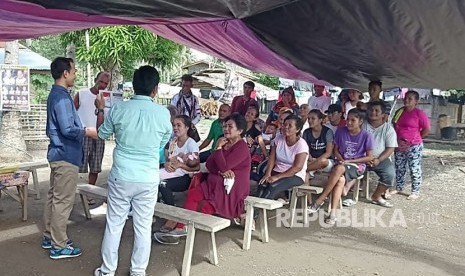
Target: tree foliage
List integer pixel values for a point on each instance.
(123, 46)
(457, 96)
(47, 46)
(269, 81)
(41, 86)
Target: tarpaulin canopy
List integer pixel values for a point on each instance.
(411, 43)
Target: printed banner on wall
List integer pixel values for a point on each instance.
(14, 85)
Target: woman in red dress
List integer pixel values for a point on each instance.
(230, 161)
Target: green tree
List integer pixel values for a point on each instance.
(41, 85)
(119, 49)
(47, 46)
(266, 80)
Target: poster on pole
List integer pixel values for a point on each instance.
(14, 87)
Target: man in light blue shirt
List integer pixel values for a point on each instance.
(140, 127)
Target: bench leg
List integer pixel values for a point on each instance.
(367, 186)
(293, 206)
(24, 201)
(248, 227)
(85, 206)
(264, 226)
(356, 190)
(35, 183)
(305, 208)
(186, 261)
(213, 251)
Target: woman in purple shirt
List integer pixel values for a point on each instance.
(353, 148)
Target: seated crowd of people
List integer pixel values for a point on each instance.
(157, 145)
(344, 140)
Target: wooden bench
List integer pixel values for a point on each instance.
(193, 220)
(18, 179)
(262, 204)
(302, 192)
(32, 167)
(87, 190)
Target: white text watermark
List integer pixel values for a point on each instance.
(364, 218)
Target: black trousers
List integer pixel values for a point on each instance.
(271, 191)
(174, 185)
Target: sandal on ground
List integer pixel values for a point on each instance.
(413, 196)
(396, 192)
(165, 229)
(331, 220)
(348, 202)
(164, 239)
(382, 202)
(314, 207)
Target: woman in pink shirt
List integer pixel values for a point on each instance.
(288, 161)
(411, 125)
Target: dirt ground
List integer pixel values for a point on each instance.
(431, 243)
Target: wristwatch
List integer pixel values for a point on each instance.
(97, 111)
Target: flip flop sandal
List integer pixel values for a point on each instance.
(348, 202)
(165, 229)
(331, 221)
(382, 203)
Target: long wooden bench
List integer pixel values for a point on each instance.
(262, 205)
(193, 220)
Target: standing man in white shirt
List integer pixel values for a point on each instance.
(185, 101)
(84, 101)
(319, 100)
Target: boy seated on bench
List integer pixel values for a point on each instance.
(228, 164)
